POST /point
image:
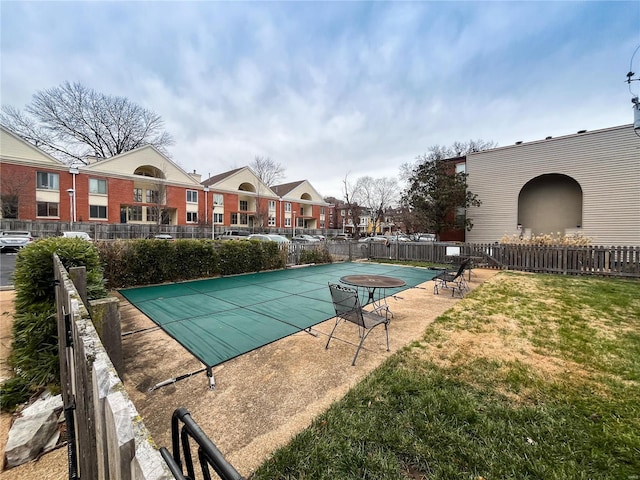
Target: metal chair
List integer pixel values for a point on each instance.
(453, 280)
(347, 306)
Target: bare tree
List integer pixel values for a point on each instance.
(13, 188)
(71, 122)
(157, 196)
(267, 170)
(352, 201)
(377, 195)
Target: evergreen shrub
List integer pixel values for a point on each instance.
(34, 349)
(316, 255)
(128, 263)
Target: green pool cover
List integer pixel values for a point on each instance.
(220, 318)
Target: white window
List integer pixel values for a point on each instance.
(48, 181)
(152, 214)
(321, 210)
(47, 209)
(287, 222)
(272, 221)
(137, 195)
(461, 167)
(342, 213)
(272, 205)
(135, 214)
(217, 218)
(218, 199)
(192, 196)
(98, 186)
(153, 196)
(192, 217)
(98, 212)
(287, 207)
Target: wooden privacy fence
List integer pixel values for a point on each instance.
(107, 438)
(566, 260)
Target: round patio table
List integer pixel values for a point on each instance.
(371, 283)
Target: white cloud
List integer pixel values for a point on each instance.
(335, 88)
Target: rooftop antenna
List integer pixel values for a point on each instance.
(631, 77)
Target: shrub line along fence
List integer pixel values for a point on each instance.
(107, 438)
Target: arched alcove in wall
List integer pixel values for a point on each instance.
(305, 196)
(149, 171)
(550, 203)
(247, 187)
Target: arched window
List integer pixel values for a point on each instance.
(149, 171)
(550, 203)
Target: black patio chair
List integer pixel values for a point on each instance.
(348, 308)
(452, 279)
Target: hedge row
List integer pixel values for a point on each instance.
(129, 263)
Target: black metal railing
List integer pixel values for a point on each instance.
(208, 454)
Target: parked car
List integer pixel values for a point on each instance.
(263, 237)
(398, 238)
(82, 235)
(163, 236)
(14, 240)
(305, 239)
(322, 238)
(377, 239)
(279, 238)
(426, 237)
(341, 237)
(234, 235)
(259, 236)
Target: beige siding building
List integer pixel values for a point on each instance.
(586, 183)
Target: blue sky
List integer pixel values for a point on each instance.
(333, 89)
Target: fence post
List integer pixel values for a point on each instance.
(79, 278)
(105, 315)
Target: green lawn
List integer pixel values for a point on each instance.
(529, 377)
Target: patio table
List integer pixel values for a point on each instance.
(371, 283)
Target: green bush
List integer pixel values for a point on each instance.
(142, 262)
(14, 391)
(33, 276)
(34, 349)
(316, 255)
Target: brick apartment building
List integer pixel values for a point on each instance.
(143, 186)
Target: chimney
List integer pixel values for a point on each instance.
(196, 176)
(91, 159)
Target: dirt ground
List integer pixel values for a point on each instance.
(53, 465)
(262, 398)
